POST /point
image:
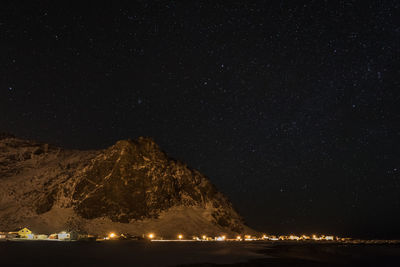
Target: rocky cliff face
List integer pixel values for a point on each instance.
(130, 187)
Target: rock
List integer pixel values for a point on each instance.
(133, 186)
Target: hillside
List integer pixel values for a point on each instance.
(131, 187)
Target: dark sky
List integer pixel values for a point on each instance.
(289, 107)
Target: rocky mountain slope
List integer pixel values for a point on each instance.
(131, 187)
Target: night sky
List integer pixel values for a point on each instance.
(289, 107)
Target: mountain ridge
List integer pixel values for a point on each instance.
(132, 185)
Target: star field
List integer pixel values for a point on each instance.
(290, 108)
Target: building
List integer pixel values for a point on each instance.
(53, 236)
(12, 235)
(305, 237)
(64, 236)
(24, 233)
(41, 237)
(273, 238)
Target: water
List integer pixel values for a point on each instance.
(143, 253)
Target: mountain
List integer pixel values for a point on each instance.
(131, 187)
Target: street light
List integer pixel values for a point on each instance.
(112, 235)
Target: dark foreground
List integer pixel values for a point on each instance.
(140, 253)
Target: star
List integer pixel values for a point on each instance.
(271, 100)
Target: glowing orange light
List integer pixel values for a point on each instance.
(180, 236)
(329, 237)
(112, 235)
(151, 236)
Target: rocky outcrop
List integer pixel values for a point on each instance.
(132, 186)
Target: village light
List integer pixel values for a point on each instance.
(151, 236)
(112, 235)
(180, 237)
(220, 238)
(204, 237)
(238, 237)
